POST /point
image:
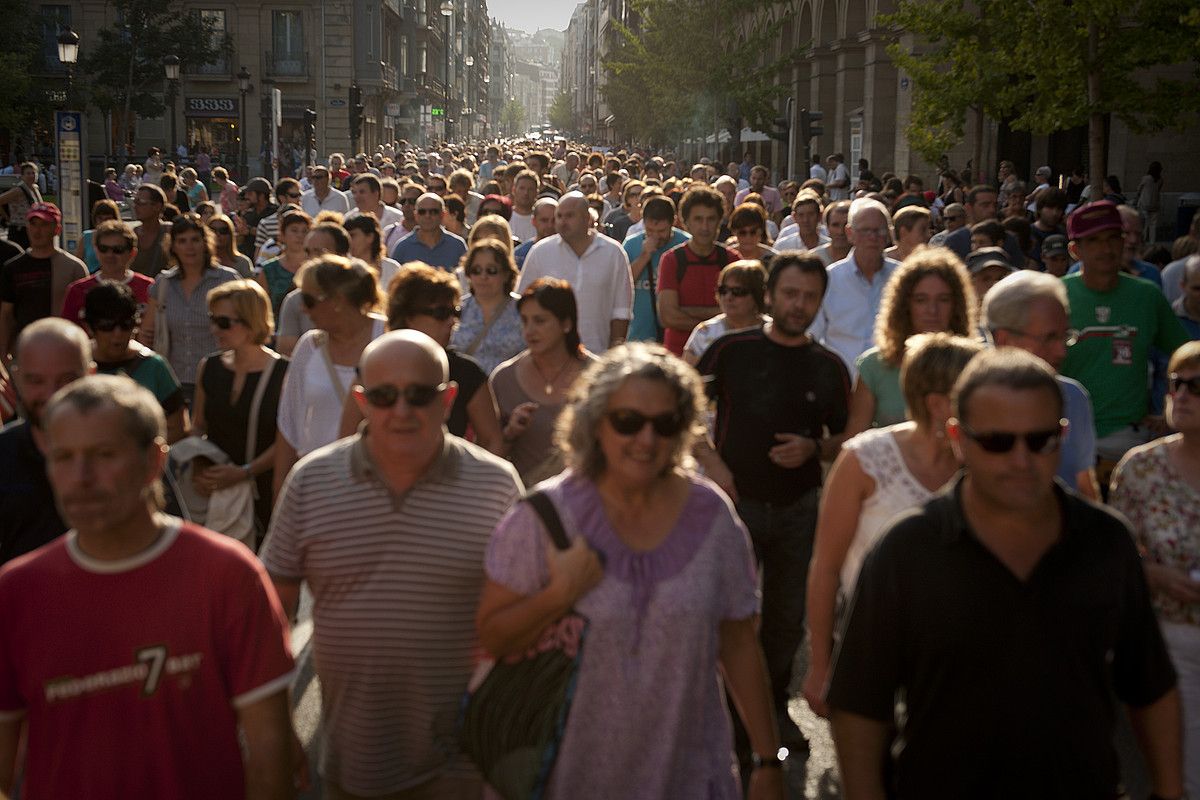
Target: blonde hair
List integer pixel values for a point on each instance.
(251, 305)
(932, 363)
(491, 226)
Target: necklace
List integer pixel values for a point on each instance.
(549, 387)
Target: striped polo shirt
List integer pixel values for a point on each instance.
(396, 580)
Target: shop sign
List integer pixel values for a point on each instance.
(211, 107)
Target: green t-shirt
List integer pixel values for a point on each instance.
(1111, 358)
(884, 382)
(148, 369)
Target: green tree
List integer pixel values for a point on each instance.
(1051, 65)
(562, 115)
(512, 118)
(124, 68)
(17, 50)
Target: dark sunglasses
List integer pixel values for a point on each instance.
(1038, 442)
(223, 322)
(427, 211)
(1191, 384)
(476, 271)
(119, 249)
(732, 291)
(441, 313)
(416, 395)
(110, 325)
(310, 300)
(628, 422)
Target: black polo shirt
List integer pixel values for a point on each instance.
(763, 388)
(28, 516)
(1007, 684)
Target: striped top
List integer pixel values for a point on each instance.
(187, 317)
(396, 580)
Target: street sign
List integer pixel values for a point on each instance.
(72, 187)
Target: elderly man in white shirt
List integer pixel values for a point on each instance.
(846, 322)
(322, 196)
(595, 266)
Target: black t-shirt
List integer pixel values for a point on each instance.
(763, 388)
(28, 516)
(1007, 683)
(466, 372)
(25, 282)
(252, 218)
(8, 250)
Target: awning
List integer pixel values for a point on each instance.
(754, 136)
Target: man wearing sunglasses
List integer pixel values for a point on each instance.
(322, 196)
(1007, 612)
(431, 243)
(390, 528)
(116, 247)
(288, 195)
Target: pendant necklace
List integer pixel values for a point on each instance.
(549, 387)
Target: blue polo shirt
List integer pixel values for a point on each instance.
(445, 254)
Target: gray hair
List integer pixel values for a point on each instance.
(575, 432)
(864, 204)
(1006, 305)
(59, 331)
(724, 179)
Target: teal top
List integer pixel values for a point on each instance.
(280, 281)
(89, 253)
(884, 382)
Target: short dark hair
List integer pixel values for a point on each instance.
(556, 296)
(369, 180)
(805, 262)
(659, 208)
(1051, 198)
(1009, 367)
(990, 228)
(417, 286)
(284, 185)
(701, 195)
(982, 188)
(341, 242)
(109, 300)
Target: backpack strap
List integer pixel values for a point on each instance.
(550, 518)
(681, 263)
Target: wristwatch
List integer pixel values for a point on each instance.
(774, 761)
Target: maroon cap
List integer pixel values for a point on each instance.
(1092, 219)
(46, 211)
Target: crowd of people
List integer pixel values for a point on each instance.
(951, 438)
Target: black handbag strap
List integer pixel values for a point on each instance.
(549, 516)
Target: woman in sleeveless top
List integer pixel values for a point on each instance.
(18, 199)
(230, 393)
(880, 474)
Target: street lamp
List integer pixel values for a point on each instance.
(171, 66)
(447, 9)
(244, 88)
(68, 47)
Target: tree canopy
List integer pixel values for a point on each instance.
(561, 114)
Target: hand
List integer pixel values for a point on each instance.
(794, 450)
(814, 690)
(573, 572)
(222, 476)
(766, 784)
(652, 243)
(201, 484)
(518, 421)
(1174, 583)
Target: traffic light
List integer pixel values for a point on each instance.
(779, 129)
(356, 115)
(310, 134)
(810, 125)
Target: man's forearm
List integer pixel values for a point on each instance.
(1159, 730)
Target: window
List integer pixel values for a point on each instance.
(404, 56)
(215, 19)
(287, 41)
(53, 19)
(422, 54)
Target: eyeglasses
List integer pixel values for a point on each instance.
(223, 322)
(1192, 384)
(628, 422)
(408, 201)
(477, 271)
(110, 325)
(732, 291)
(424, 212)
(107, 248)
(416, 395)
(1038, 442)
(311, 300)
(1068, 339)
(441, 313)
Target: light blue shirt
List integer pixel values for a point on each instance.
(644, 326)
(846, 321)
(1079, 448)
(445, 254)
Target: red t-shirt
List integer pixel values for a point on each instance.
(72, 308)
(699, 285)
(131, 672)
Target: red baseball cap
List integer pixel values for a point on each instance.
(1094, 218)
(46, 211)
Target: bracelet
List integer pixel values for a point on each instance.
(249, 472)
(774, 761)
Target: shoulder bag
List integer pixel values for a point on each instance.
(513, 722)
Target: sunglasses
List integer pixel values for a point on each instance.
(477, 271)
(110, 325)
(415, 395)
(441, 313)
(1038, 442)
(732, 291)
(223, 322)
(107, 248)
(628, 422)
(1192, 384)
(422, 212)
(311, 300)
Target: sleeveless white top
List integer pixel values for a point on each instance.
(896, 491)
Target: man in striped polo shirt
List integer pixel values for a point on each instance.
(389, 527)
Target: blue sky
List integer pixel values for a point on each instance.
(532, 15)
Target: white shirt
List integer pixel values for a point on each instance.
(792, 241)
(522, 226)
(390, 216)
(840, 173)
(846, 321)
(601, 279)
(394, 235)
(818, 172)
(334, 201)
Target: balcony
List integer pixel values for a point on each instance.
(285, 65)
(216, 69)
(391, 78)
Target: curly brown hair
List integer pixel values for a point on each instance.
(893, 324)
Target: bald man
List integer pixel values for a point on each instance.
(50, 353)
(390, 527)
(431, 243)
(595, 266)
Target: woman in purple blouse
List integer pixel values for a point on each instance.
(672, 610)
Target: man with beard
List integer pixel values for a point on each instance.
(50, 353)
(782, 403)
